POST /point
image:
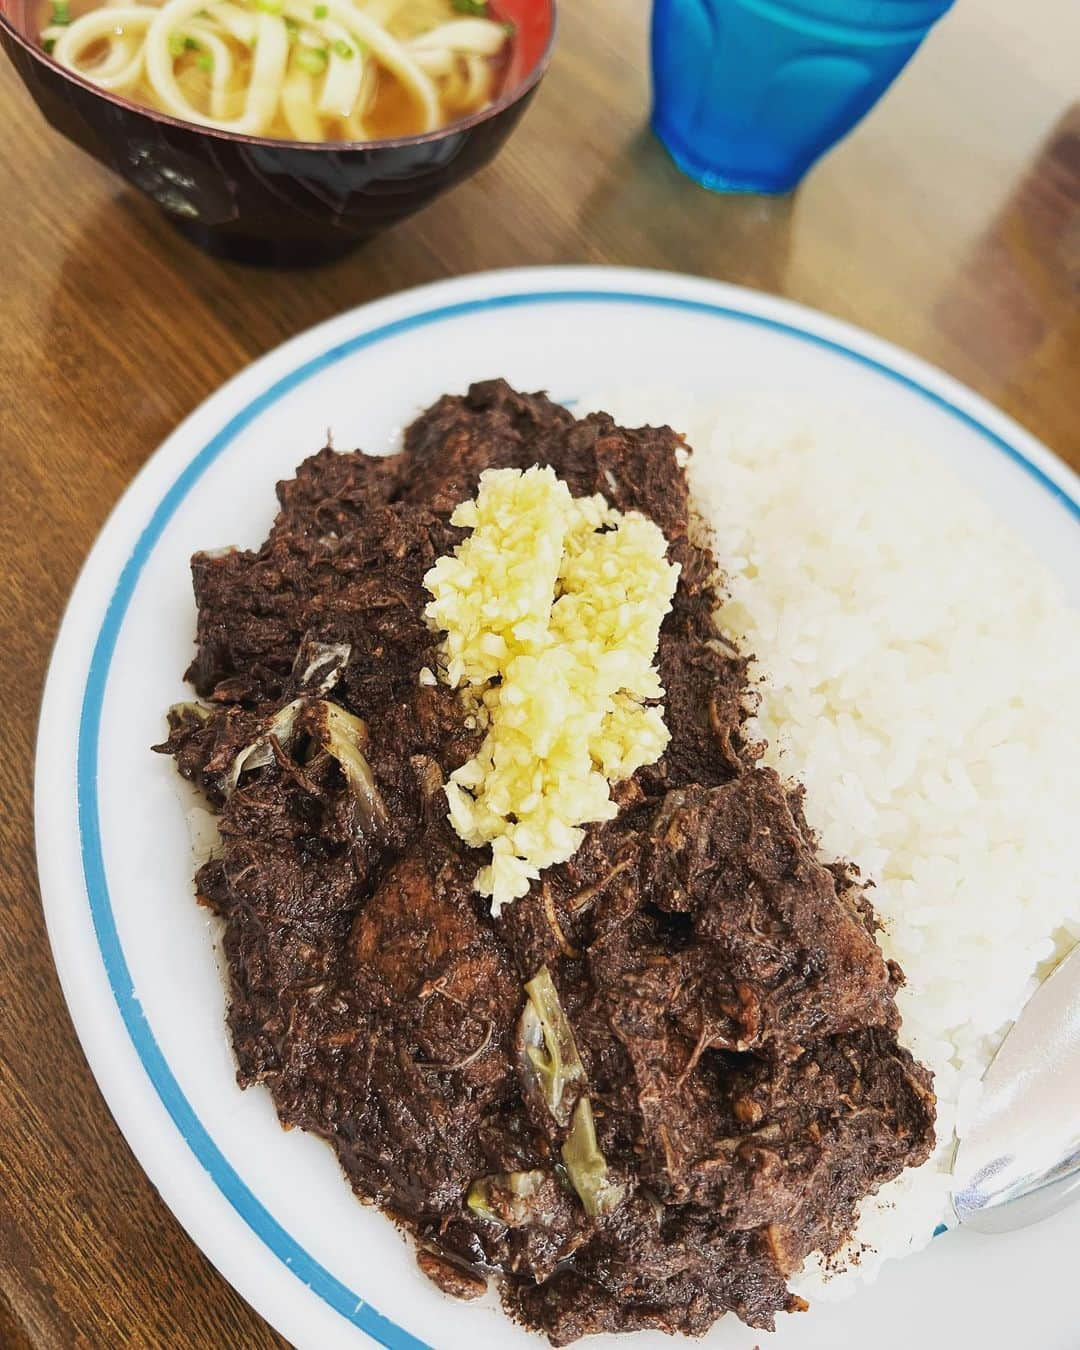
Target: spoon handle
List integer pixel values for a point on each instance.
(1028, 1201)
(1018, 1160)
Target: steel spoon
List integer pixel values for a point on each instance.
(1019, 1161)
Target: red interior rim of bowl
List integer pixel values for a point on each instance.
(534, 21)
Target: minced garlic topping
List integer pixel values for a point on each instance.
(551, 610)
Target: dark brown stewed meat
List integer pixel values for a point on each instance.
(702, 1079)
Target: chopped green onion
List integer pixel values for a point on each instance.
(514, 1199)
(61, 14)
(587, 1166)
(49, 44)
(549, 1053)
(312, 60)
(343, 49)
(179, 43)
(346, 738)
(205, 62)
(270, 6)
(477, 7)
(181, 713)
(321, 11)
(292, 28)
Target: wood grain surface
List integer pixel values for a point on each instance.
(950, 223)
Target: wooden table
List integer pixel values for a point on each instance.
(950, 223)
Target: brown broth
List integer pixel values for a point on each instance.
(391, 112)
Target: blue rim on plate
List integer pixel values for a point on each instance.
(262, 1223)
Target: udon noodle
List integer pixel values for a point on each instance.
(308, 70)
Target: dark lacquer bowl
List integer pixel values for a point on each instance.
(271, 201)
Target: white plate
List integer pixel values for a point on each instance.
(136, 956)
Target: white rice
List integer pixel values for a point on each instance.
(920, 673)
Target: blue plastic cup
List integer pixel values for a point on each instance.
(747, 94)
